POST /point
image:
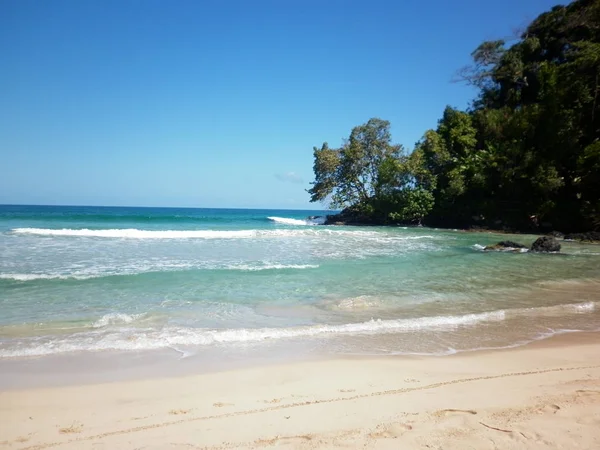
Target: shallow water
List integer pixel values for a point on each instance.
(227, 282)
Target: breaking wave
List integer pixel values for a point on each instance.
(288, 221)
(111, 331)
(37, 276)
(482, 248)
(133, 233)
(176, 336)
(252, 268)
(116, 319)
(24, 277)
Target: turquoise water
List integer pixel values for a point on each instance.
(89, 279)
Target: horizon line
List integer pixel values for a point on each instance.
(164, 207)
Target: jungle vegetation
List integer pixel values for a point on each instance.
(525, 154)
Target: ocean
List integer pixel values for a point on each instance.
(234, 282)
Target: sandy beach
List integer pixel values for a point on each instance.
(544, 395)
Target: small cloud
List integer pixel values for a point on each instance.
(289, 177)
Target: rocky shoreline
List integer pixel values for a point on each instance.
(350, 218)
(544, 244)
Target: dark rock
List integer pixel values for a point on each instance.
(349, 217)
(511, 244)
(317, 220)
(478, 228)
(545, 244)
(505, 245)
(590, 236)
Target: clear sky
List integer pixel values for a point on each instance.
(218, 103)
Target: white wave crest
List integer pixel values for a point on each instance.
(582, 307)
(589, 306)
(253, 268)
(288, 221)
(101, 272)
(116, 337)
(116, 319)
(503, 249)
(173, 336)
(555, 310)
(133, 233)
(32, 276)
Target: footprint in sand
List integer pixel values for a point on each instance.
(344, 391)
(137, 418)
(176, 412)
(587, 392)
(390, 431)
(451, 411)
(22, 439)
(74, 428)
(551, 408)
(221, 405)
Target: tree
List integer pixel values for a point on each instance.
(325, 168)
(526, 154)
(537, 122)
(450, 165)
(350, 175)
(485, 58)
(370, 176)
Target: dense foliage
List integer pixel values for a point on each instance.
(372, 177)
(526, 155)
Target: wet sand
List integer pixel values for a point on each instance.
(543, 395)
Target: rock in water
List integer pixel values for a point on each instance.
(505, 245)
(590, 236)
(545, 244)
(350, 217)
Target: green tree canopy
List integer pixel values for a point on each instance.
(525, 155)
(351, 175)
(368, 174)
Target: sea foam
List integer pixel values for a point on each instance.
(178, 336)
(116, 319)
(254, 268)
(111, 331)
(101, 272)
(482, 248)
(34, 276)
(133, 233)
(288, 221)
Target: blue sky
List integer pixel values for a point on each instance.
(218, 103)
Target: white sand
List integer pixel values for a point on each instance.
(545, 395)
